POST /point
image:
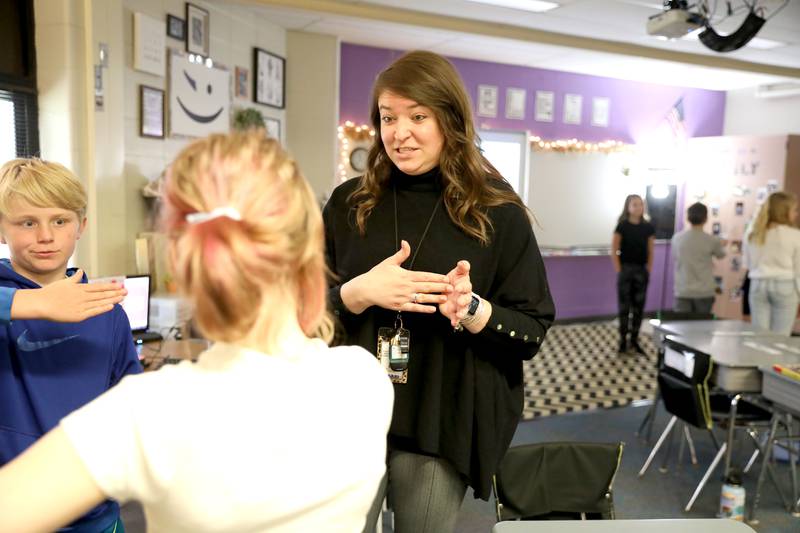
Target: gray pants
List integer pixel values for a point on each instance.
(693, 305)
(425, 494)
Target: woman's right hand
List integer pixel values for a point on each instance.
(393, 287)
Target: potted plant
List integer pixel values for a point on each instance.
(246, 118)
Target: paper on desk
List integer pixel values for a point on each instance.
(761, 348)
(786, 347)
(683, 362)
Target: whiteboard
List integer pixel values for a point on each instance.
(578, 197)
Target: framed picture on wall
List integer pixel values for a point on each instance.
(269, 80)
(197, 28)
(151, 112)
(273, 126)
(240, 82)
(487, 101)
(176, 27)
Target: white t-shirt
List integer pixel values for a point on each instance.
(243, 441)
(779, 256)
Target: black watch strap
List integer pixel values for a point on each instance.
(473, 305)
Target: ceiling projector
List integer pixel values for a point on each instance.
(674, 23)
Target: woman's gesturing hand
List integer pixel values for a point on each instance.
(457, 303)
(391, 286)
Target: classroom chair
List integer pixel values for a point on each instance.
(684, 376)
(557, 481)
(646, 426)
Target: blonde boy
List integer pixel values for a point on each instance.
(49, 368)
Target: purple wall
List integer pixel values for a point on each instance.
(636, 109)
(580, 294)
(581, 286)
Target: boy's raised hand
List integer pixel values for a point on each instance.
(67, 300)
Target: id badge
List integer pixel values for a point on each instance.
(394, 351)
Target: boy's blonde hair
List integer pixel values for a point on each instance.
(41, 184)
(241, 274)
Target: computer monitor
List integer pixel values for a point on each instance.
(137, 303)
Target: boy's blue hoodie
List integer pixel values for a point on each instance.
(49, 369)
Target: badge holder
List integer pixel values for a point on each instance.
(394, 350)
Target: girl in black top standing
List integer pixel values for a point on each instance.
(433, 241)
(632, 255)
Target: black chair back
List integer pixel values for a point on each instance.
(683, 376)
(557, 480)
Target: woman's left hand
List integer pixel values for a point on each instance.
(457, 304)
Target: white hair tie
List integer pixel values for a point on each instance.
(200, 216)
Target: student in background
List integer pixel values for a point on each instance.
(433, 230)
(270, 430)
(632, 255)
(692, 250)
(48, 369)
(772, 254)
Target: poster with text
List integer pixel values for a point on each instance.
(600, 111)
(487, 101)
(515, 103)
(545, 104)
(572, 108)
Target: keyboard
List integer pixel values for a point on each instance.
(146, 336)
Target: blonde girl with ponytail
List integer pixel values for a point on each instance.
(271, 429)
(772, 253)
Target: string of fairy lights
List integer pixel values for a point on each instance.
(351, 134)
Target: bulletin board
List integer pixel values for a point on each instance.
(732, 176)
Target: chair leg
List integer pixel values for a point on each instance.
(731, 431)
(692, 452)
(660, 441)
(649, 418)
(681, 447)
(764, 465)
(707, 475)
(751, 461)
(793, 461)
(667, 454)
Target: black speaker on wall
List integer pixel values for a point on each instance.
(661, 209)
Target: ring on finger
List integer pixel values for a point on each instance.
(415, 297)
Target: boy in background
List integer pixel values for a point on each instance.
(47, 368)
(692, 250)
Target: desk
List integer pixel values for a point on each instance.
(154, 354)
(737, 357)
(740, 328)
(624, 526)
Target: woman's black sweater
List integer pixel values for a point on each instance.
(464, 394)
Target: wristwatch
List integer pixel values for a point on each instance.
(473, 305)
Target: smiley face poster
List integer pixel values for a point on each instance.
(199, 98)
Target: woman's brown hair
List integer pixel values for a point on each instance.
(471, 184)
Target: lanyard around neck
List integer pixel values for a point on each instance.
(424, 233)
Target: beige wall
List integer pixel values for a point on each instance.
(62, 75)
(235, 30)
(103, 147)
(745, 114)
(312, 85)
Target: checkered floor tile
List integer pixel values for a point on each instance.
(578, 369)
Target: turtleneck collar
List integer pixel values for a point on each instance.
(428, 181)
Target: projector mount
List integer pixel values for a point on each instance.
(680, 18)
